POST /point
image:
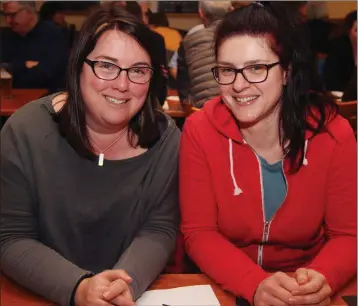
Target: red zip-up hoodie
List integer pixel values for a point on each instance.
(221, 198)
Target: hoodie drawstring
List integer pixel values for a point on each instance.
(305, 161)
(237, 190)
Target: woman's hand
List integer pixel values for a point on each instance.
(119, 293)
(275, 290)
(90, 292)
(313, 289)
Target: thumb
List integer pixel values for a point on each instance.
(113, 275)
(302, 276)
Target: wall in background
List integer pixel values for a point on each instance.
(338, 10)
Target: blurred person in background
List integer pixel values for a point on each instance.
(160, 24)
(196, 56)
(53, 11)
(341, 62)
(37, 50)
(318, 30)
(321, 28)
(158, 41)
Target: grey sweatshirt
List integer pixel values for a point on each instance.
(63, 216)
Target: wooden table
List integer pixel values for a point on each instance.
(176, 112)
(175, 108)
(19, 98)
(15, 295)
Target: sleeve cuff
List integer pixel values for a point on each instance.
(72, 300)
(252, 281)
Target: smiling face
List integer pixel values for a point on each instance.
(110, 105)
(251, 103)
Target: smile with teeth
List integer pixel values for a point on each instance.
(246, 99)
(116, 101)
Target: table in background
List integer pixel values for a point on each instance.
(18, 99)
(175, 109)
(15, 295)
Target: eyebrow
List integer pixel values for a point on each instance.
(141, 64)
(252, 62)
(114, 60)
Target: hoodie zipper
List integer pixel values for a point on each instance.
(267, 224)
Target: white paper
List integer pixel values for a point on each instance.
(201, 295)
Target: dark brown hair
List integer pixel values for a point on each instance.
(71, 118)
(288, 38)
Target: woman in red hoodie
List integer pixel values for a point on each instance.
(268, 170)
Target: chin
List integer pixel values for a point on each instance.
(115, 120)
(245, 117)
(247, 122)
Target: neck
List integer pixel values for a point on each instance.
(31, 25)
(264, 135)
(102, 140)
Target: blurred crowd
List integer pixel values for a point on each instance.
(37, 46)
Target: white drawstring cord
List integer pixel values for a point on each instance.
(305, 161)
(237, 190)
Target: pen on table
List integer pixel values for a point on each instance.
(165, 305)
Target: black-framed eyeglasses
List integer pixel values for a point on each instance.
(12, 15)
(109, 72)
(256, 73)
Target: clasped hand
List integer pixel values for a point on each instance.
(107, 288)
(308, 287)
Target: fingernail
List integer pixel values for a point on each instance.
(106, 294)
(291, 301)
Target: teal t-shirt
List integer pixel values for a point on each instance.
(274, 187)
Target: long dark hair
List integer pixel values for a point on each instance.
(288, 38)
(71, 117)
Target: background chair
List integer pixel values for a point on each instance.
(349, 111)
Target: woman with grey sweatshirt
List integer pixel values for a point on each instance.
(89, 210)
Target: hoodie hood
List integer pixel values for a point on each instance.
(221, 118)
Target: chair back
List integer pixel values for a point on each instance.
(348, 110)
(189, 109)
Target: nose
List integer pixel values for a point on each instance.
(240, 83)
(121, 82)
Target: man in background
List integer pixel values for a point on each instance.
(196, 56)
(140, 12)
(37, 51)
